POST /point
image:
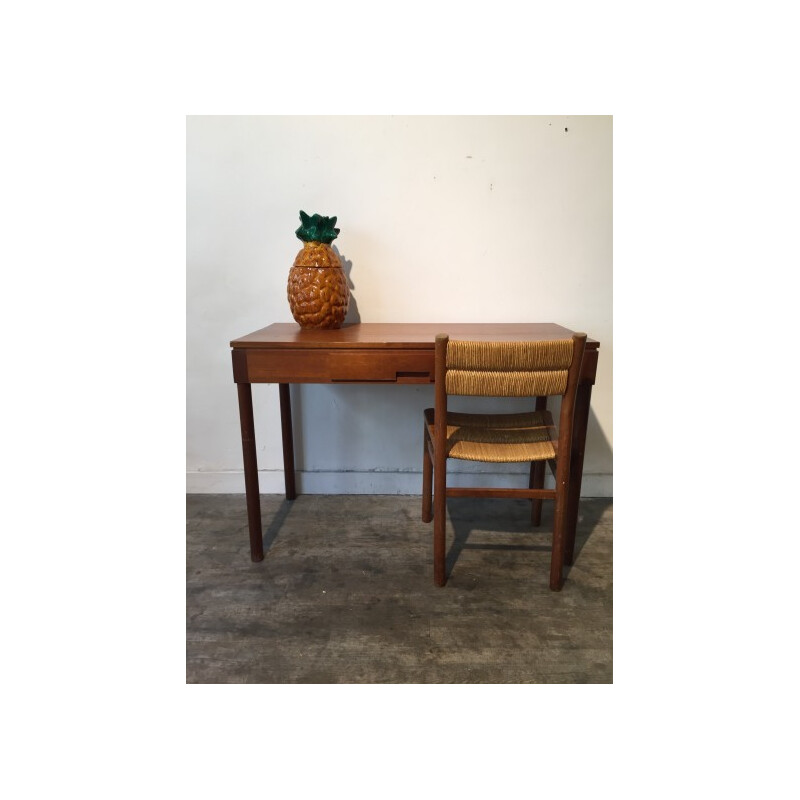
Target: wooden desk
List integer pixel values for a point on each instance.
(396, 353)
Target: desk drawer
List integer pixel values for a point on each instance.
(395, 366)
(333, 366)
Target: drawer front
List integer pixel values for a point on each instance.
(333, 366)
(395, 366)
(286, 366)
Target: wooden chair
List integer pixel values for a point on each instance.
(537, 369)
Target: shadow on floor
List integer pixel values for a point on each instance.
(277, 521)
(478, 519)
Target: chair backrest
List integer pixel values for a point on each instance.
(509, 369)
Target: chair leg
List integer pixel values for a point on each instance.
(537, 475)
(536, 482)
(439, 518)
(439, 577)
(427, 479)
(557, 555)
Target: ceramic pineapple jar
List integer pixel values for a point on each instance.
(317, 288)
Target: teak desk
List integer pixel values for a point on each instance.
(398, 353)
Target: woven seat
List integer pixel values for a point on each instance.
(536, 369)
(498, 438)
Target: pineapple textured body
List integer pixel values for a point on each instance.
(317, 289)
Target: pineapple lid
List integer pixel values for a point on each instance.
(317, 228)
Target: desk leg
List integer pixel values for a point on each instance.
(250, 471)
(579, 425)
(288, 440)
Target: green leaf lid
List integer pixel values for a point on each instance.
(317, 228)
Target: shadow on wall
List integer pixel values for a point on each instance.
(598, 445)
(353, 314)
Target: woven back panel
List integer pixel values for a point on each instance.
(501, 356)
(508, 369)
(505, 384)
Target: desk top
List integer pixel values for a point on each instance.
(399, 335)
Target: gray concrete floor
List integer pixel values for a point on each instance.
(345, 594)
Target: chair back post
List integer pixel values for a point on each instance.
(440, 459)
(568, 409)
(440, 390)
(563, 462)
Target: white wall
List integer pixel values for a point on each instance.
(475, 219)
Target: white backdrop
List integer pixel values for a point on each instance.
(474, 219)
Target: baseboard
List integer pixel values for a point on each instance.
(271, 482)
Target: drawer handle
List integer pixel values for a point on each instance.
(413, 377)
